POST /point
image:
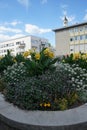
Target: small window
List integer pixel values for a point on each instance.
(34, 47)
(17, 43)
(71, 49)
(85, 36)
(71, 39)
(80, 37)
(75, 37)
(75, 29)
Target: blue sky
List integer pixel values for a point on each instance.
(38, 17)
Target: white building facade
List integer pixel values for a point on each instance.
(20, 45)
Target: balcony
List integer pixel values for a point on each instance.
(22, 45)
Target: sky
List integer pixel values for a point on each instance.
(38, 17)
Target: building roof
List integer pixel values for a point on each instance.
(22, 37)
(68, 27)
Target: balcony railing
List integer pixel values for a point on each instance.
(21, 45)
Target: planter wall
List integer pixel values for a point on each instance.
(12, 118)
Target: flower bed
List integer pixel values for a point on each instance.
(34, 82)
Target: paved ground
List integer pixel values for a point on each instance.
(44, 118)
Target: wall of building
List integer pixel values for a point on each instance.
(78, 39)
(39, 43)
(62, 42)
(71, 39)
(20, 45)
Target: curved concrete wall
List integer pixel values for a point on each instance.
(13, 118)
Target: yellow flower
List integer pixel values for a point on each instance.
(48, 104)
(37, 56)
(76, 56)
(84, 57)
(1, 57)
(26, 54)
(46, 51)
(45, 104)
(51, 54)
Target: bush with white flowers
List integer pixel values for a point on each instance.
(15, 73)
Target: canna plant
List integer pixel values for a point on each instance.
(38, 63)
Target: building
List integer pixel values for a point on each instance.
(71, 39)
(20, 45)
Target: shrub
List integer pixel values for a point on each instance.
(15, 73)
(2, 85)
(6, 61)
(49, 91)
(19, 58)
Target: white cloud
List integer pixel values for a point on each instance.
(24, 3)
(4, 29)
(33, 29)
(13, 23)
(85, 17)
(43, 1)
(17, 36)
(8, 37)
(71, 18)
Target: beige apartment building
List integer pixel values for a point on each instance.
(71, 39)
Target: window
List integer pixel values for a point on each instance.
(75, 37)
(17, 43)
(80, 29)
(71, 30)
(81, 47)
(71, 39)
(76, 48)
(11, 44)
(34, 47)
(78, 37)
(5, 50)
(85, 46)
(81, 37)
(1, 51)
(75, 29)
(71, 48)
(85, 27)
(85, 36)
(34, 41)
